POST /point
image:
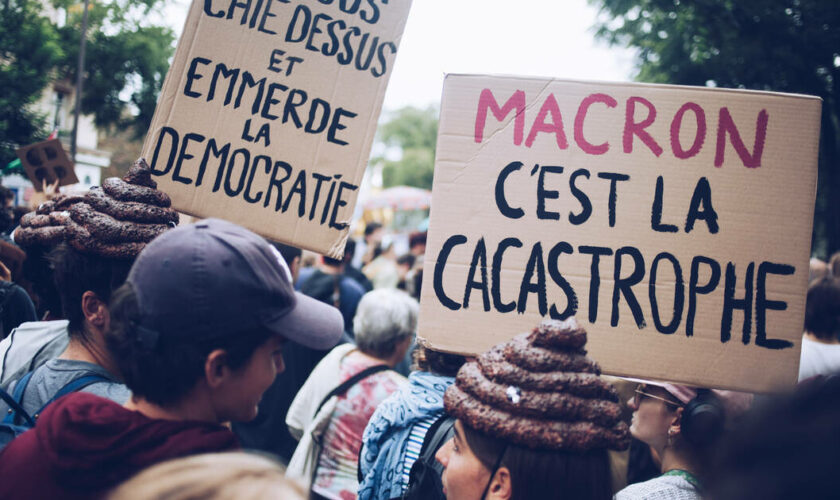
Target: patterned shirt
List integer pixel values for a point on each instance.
(336, 477)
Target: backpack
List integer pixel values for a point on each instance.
(17, 420)
(424, 481)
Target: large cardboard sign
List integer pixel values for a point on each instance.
(268, 113)
(47, 161)
(673, 222)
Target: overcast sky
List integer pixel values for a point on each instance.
(526, 37)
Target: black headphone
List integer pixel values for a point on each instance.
(703, 419)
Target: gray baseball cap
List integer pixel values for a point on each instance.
(214, 278)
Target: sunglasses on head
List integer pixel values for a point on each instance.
(640, 395)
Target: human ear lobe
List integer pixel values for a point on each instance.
(501, 487)
(215, 368)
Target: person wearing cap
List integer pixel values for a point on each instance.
(683, 426)
(197, 332)
(534, 421)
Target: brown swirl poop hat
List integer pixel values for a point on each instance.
(118, 219)
(46, 226)
(540, 391)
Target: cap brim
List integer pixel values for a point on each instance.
(311, 323)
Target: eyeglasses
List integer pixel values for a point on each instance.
(640, 396)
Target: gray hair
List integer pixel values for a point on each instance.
(385, 318)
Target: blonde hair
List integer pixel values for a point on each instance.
(213, 476)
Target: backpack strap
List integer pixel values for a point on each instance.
(350, 382)
(15, 402)
(440, 432)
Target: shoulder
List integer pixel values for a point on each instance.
(114, 391)
(659, 488)
(352, 285)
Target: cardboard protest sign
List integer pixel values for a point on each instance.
(268, 113)
(673, 222)
(47, 161)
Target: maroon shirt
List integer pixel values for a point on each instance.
(84, 445)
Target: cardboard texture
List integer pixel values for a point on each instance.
(713, 196)
(269, 110)
(47, 160)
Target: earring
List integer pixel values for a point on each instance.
(671, 433)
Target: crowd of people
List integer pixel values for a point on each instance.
(143, 359)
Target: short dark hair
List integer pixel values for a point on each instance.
(76, 273)
(6, 194)
(371, 228)
(166, 373)
(834, 265)
(822, 308)
(288, 252)
(416, 239)
(545, 473)
(7, 219)
(406, 260)
(349, 249)
(332, 262)
(441, 363)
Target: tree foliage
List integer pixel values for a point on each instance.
(779, 45)
(414, 132)
(29, 48)
(125, 64)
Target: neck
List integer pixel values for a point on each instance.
(179, 411)
(387, 361)
(673, 460)
(833, 340)
(90, 351)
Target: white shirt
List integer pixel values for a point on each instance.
(818, 359)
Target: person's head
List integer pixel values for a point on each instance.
(404, 264)
(817, 269)
(417, 243)
(385, 322)
(7, 198)
(519, 408)
(440, 363)
(331, 263)
(373, 233)
(211, 476)
(822, 309)
(682, 420)
(521, 473)
(85, 283)
(834, 265)
(349, 251)
(96, 237)
(7, 219)
(786, 448)
(292, 257)
(202, 317)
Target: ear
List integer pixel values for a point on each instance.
(501, 486)
(216, 370)
(674, 428)
(95, 310)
